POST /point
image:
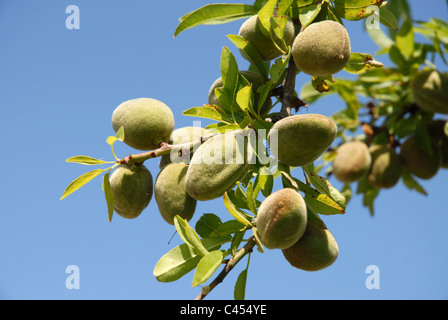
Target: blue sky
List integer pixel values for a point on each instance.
(58, 89)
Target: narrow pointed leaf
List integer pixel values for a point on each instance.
(81, 181)
(237, 213)
(319, 202)
(215, 14)
(251, 53)
(204, 112)
(188, 235)
(87, 160)
(109, 195)
(361, 62)
(324, 186)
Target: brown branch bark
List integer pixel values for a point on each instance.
(164, 149)
(248, 248)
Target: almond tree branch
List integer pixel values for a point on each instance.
(248, 248)
(287, 96)
(164, 149)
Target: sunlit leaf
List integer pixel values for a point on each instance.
(87, 160)
(108, 195)
(215, 14)
(188, 235)
(81, 181)
(354, 10)
(182, 259)
(251, 53)
(207, 266)
(361, 62)
(236, 212)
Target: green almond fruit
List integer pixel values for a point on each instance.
(436, 129)
(132, 189)
(418, 162)
(147, 122)
(300, 139)
(430, 91)
(322, 48)
(281, 219)
(217, 165)
(171, 195)
(317, 249)
(386, 168)
(250, 31)
(352, 161)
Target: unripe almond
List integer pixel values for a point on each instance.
(281, 219)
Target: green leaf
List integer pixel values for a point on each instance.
(119, 136)
(204, 112)
(245, 99)
(264, 16)
(236, 241)
(239, 292)
(230, 79)
(354, 10)
(227, 228)
(320, 203)
(109, 195)
(283, 7)
(207, 224)
(369, 194)
(308, 13)
(215, 14)
(264, 181)
(380, 38)
(182, 259)
(188, 235)
(250, 52)
(388, 18)
(257, 239)
(324, 186)
(278, 69)
(405, 39)
(309, 94)
(251, 197)
(81, 181)
(87, 160)
(237, 213)
(361, 62)
(320, 83)
(411, 183)
(207, 266)
(277, 31)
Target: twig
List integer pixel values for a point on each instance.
(164, 149)
(248, 247)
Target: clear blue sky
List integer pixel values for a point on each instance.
(58, 89)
